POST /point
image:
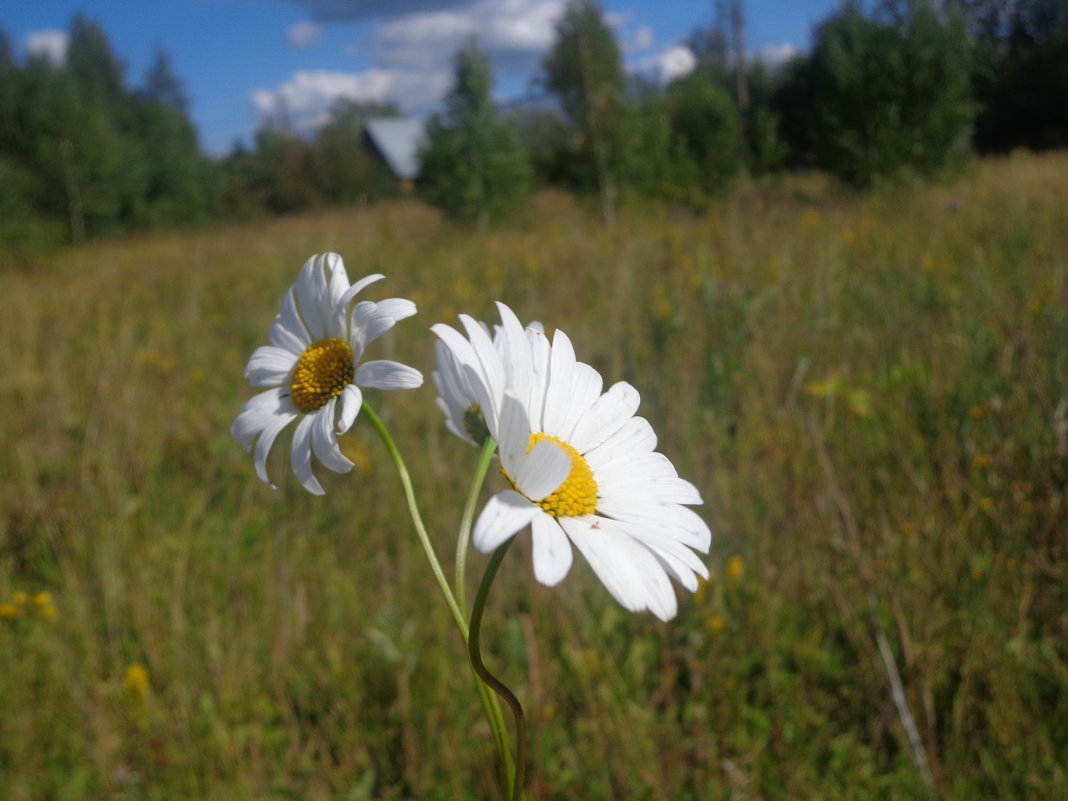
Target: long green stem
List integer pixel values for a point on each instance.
(417, 520)
(464, 538)
(498, 686)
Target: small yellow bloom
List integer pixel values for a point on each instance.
(982, 461)
(1027, 507)
(986, 504)
(715, 624)
(735, 569)
(136, 681)
(19, 598)
(9, 611)
(43, 606)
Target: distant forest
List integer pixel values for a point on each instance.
(899, 88)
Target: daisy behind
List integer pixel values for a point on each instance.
(313, 369)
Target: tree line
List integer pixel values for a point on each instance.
(899, 87)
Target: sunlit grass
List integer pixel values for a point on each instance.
(871, 393)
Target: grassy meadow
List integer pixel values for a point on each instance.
(871, 393)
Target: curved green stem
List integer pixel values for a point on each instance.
(498, 686)
(489, 447)
(420, 528)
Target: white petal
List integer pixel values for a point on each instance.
(605, 417)
(454, 396)
(504, 515)
(558, 390)
(288, 330)
(385, 374)
(540, 353)
(369, 322)
(269, 366)
(637, 467)
(263, 445)
(627, 569)
(324, 441)
(397, 308)
(514, 434)
(460, 348)
(671, 520)
(586, 386)
(515, 353)
(667, 546)
(635, 436)
(543, 470)
(488, 359)
(301, 455)
(258, 413)
(311, 288)
(676, 567)
(358, 287)
(338, 279)
(351, 402)
(552, 550)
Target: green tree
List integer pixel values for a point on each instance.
(885, 93)
(345, 171)
(163, 86)
(472, 166)
(181, 186)
(585, 71)
(747, 136)
(705, 121)
(1021, 73)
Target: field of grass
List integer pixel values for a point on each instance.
(870, 392)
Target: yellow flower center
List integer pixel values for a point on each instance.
(322, 372)
(578, 494)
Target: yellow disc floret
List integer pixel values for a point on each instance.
(322, 372)
(578, 494)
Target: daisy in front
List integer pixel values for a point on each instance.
(313, 368)
(583, 470)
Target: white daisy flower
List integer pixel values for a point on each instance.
(584, 471)
(313, 368)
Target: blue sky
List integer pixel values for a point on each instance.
(243, 59)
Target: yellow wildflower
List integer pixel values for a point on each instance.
(136, 681)
(735, 569)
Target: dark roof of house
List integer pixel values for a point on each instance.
(398, 139)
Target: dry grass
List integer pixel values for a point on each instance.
(871, 392)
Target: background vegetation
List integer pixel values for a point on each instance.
(890, 89)
(870, 392)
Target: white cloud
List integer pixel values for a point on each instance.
(303, 34)
(667, 65)
(342, 10)
(50, 45)
(642, 39)
(513, 32)
(774, 56)
(305, 99)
